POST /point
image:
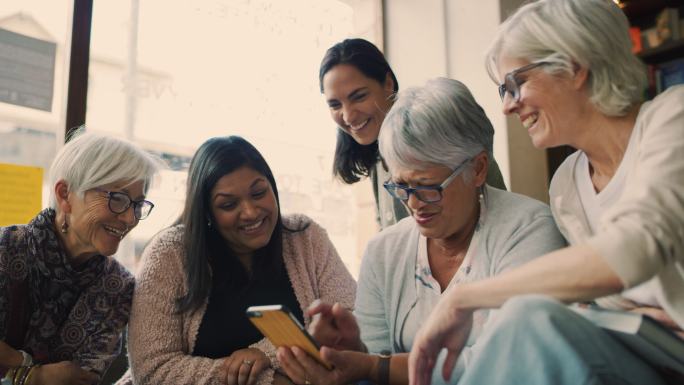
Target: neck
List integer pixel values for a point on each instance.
(605, 140)
(245, 260)
(75, 254)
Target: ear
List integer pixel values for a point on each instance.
(480, 167)
(62, 196)
(580, 76)
(388, 85)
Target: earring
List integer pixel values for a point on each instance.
(483, 208)
(209, 223)
(65, 227)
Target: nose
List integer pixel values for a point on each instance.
(414, 203)
(510, 105)
(249, 210)
(348, 114)
(128, 217)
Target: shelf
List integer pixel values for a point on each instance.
(635, 9)
(665, 52)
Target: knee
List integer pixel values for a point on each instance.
(524, 308)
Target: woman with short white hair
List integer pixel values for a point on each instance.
(566, 69)
(437, 142)
(63, 299)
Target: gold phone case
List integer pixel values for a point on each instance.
(277, 323)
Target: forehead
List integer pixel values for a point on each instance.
(132, 188)
(238, 181)
(345, 77)
(432, 173)
(507, 64)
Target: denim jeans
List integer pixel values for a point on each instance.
(535, 340)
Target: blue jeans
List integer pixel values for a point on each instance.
(535, 340)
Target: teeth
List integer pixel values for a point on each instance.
(117, 232)
(254, 226)
(359, 126)
(527, 123)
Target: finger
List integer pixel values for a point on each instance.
(312, 368)
(318, 307)
(244, 371)
(448, 366)
(257, 368)
(290, 365)
(232, 369)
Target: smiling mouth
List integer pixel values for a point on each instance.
(530, 121)
(253, 227)
(357, 127)
(116, 232)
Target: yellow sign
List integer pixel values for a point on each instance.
(21, 191)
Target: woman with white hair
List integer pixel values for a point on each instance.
(63, 299)
(566, 69)
(437, 142)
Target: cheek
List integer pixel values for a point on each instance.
(337, 118)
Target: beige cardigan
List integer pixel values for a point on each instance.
(642, 235)
(160, 342)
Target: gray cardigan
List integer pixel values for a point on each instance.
(515, 230)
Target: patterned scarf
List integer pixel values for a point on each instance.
(63, 304)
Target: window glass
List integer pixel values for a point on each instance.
(170, 80)
(34, 48)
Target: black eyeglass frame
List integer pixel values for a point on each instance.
(392, 187)
(512, 83)
(138, 214)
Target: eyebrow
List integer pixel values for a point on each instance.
(256, 181)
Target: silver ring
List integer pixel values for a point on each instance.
(247, 362)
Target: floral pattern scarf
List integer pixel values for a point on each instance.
(63, 313)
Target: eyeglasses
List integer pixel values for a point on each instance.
(427, 194)
(119, 202)
(512, 82)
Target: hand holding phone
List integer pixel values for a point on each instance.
(280, 326)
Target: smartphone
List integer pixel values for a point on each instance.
(281, 327)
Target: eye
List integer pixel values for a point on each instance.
(228, 205)
(119, 198)
(259, 194)
(334, 105)
(359, 97)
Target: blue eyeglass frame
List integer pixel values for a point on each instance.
(391, 187)
(512, 83)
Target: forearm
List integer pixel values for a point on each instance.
(572, 274)
(9, 357)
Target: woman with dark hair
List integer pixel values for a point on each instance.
(230, 249)
(359, 87)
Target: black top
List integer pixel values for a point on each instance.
(225, 328)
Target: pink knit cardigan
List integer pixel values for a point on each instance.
(160, 342)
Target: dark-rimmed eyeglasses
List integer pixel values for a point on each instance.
(512, 81)
(427, 194)
(119, 202)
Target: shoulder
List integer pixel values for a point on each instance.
(117, 279)
(563, 177)
(302, 232)
(667, 108)
(512, 209)
(164, 250)
(13, 251)
(393, 242)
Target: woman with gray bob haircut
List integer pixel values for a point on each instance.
(566, 69)
(437, 143)
(63, 299)
(459, 127)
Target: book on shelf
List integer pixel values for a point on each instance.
(671, 73)
(643, 335)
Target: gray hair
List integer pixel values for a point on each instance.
(437, 124)
(590, 33)
(90, 160)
